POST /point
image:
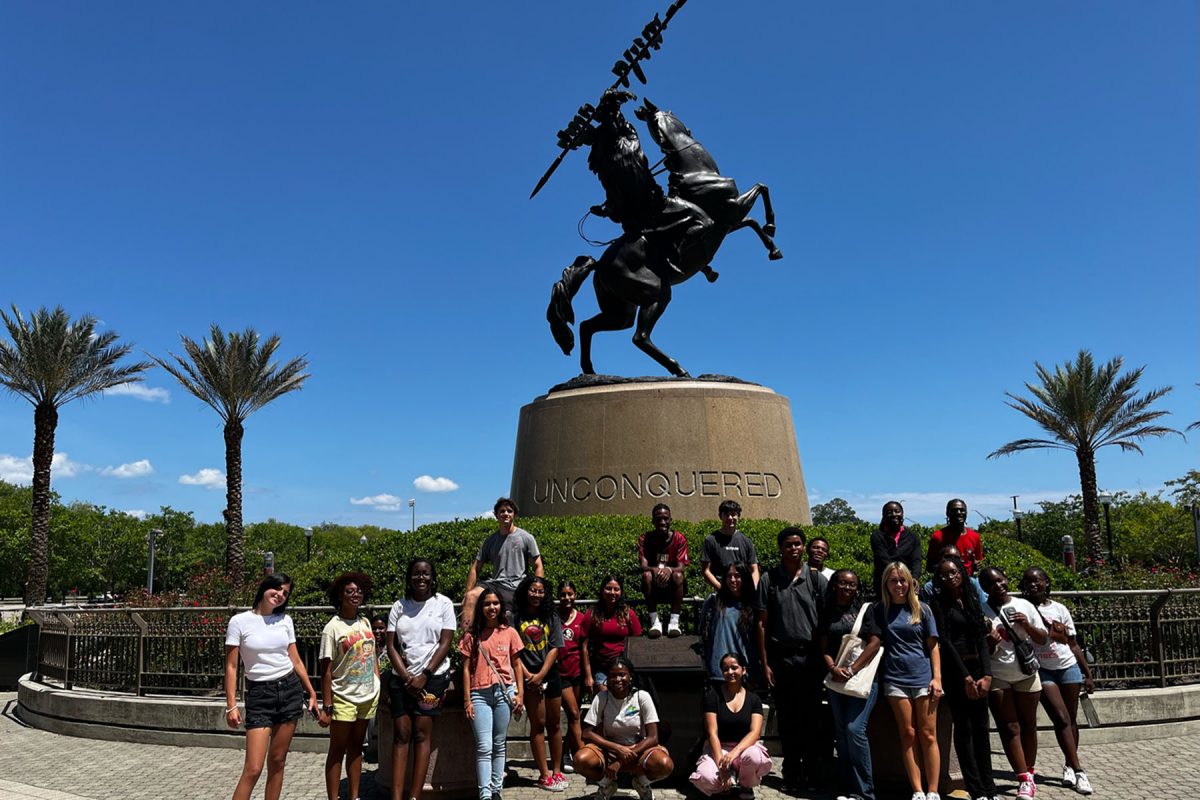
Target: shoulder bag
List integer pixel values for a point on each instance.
(1026, 659)
(851, 648)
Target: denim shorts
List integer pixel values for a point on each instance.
(1071, 674)
(271, 703)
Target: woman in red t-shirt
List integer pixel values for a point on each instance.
(570, 661)
(612, 622)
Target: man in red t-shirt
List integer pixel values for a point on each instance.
(664, 557)
(955, 532)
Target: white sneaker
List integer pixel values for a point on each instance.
(655, 629)
(673, 628)
(606, 789)
(1082, 784)
(918, 796)
(932, 796)
(1068, 776)
(641, 785)
(568, 764)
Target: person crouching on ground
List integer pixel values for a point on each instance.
(734, 755)
(620, 733)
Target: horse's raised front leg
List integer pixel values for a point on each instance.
(646, 319)
(615, 315)
(745, 202)
(773, 252)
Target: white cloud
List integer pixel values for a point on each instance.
(428, 483)
(379, 502)
(136, 512)
(142, 392)
(134, 469)
(208, 477)
(20, 470)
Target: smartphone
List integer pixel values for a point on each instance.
(315, 714)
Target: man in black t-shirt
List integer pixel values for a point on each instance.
(727, 546)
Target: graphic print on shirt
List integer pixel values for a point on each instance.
(533, 633)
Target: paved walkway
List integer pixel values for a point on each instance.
(36, 765)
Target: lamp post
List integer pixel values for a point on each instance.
(307, 544)
(362, 539)
(412, 503)
(154, 534)
(1105, 499)
(1018, 515)
(269, 563)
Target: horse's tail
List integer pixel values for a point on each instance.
(559, 314)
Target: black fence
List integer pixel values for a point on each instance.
(1133, 639)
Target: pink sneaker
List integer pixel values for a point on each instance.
(1027, 790)
(548, 784)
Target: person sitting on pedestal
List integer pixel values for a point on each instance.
(620, 733)
(818, 554)
(955, 533)
(513, 553)
(727, 546)
(663, 554)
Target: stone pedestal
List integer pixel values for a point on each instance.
(451, 771)
(621, 448)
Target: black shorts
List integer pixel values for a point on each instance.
(553, 684)
(271, 703)
(505, 591)
(427, 705)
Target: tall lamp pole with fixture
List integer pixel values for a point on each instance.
(1105, 499)
(307, 543)
(412, 503)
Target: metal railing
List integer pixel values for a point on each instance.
(1133, 638)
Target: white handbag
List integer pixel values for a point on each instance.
(851, 648)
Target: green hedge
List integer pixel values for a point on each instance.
(584, 549)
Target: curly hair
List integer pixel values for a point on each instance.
(342, 581)
(619, 612)
(943, 601)
(544, 609)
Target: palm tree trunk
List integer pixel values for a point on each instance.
(234, 552)
(1091, 508)
(45, 421)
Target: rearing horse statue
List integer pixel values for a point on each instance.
(675, 239)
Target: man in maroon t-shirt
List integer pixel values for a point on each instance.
(664, 557)
(956, 533)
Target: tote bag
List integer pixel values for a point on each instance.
(851, 648)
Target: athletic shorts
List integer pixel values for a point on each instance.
(1028, 684)
(271, 703)
(428, 704)
(1068, 675)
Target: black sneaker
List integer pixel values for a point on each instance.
(496, 796)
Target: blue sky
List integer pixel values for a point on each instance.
(961, 189)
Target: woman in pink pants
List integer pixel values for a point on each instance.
(734, 756)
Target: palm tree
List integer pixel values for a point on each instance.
(50, 362)
(1084, 408)
(236, 376)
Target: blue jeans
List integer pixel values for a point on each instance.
(491, 737)
(850, 718)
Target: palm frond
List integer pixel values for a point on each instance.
(234, 374)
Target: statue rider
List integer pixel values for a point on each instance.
(633, 198)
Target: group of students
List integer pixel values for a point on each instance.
(800, 630)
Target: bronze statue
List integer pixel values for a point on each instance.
(666, 239)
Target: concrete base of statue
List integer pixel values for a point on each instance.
(451, 772)
(619, 447)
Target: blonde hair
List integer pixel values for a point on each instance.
(914, 603)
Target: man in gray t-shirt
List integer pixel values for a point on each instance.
(512, 551)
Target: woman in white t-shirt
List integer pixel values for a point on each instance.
(276, 684)
(349, 680)
(1063, 671)
(1014, 694)
(620, 734)
(420, 630)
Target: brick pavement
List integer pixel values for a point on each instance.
(36, 765)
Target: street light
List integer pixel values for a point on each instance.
(1017, 517)
(412, 503)
(269, 563)
(307, 543)
(1105, 499)
(154, 534)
